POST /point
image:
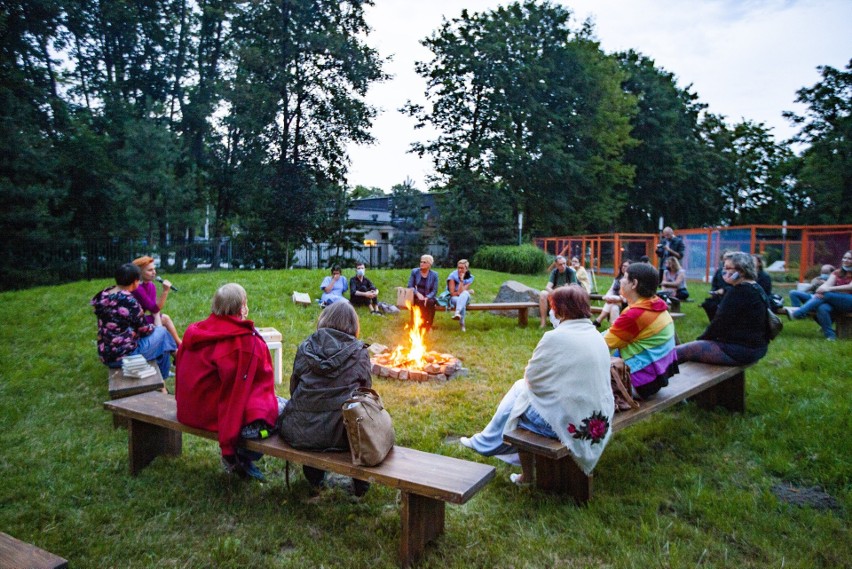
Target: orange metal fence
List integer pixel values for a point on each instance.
(799, 247)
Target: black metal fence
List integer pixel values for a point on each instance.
(32, 264)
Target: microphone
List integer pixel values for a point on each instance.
(160, 279)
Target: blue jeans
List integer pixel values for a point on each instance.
(460, 303)
(823, 306)
(158, 345)
(798, 298)
(489, 441)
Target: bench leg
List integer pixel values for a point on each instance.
(146, 442)
(562, 476)
(729, 394)
(422, 522)
(523, 313)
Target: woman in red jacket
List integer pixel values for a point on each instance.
(224, 378)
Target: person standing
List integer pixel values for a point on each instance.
(362, 291)
(560, 276)
(424, 281)
(669, 246)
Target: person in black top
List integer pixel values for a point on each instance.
(763, 278)
(737, 333)
(560, 276)
(669, 246)
(718, 286)
(362, 291)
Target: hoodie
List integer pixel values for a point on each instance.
(645, 336)
(328, 366)
(224, 378)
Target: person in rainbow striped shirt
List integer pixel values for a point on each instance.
(644, 334)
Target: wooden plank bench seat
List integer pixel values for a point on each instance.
(522, 308)
(706, 384)
(674, 315)
(17, 554)
(121, 386)
(426, 481)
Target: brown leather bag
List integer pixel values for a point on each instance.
(619, 378)
(368, 427)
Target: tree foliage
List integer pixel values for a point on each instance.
(824, 170)
(530, 110)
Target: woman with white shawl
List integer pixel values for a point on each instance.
(565, 393)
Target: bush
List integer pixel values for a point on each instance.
(518, 259)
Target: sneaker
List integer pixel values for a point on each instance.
(465, 442)
(456, 316)
(259, 429)
(790, 311)
(252, 471)
(518, 480)
(463, 329)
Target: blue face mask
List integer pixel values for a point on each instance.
(359, 272)
(824, 277)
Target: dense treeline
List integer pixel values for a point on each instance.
(145, 120)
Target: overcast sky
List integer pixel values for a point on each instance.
(744, 58)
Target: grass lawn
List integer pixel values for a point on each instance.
(687, 488)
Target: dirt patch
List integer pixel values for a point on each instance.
(814, 497)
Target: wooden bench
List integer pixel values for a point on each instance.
(17, 554)
(121, 386)
(426, 481)
(522, 308)
(674, 315)
(707, 385)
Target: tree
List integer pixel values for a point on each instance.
(296, 101)
(672, 170)
(407, 219)
(531, 109)
(824, 169)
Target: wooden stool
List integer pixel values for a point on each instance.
(121, 386)
(16, 554)
(273, 337)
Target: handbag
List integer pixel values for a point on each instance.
(619, 379)
(773, 323)
(368, 427)
(403, 296)
(444, 299)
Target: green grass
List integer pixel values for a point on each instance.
(687, 488)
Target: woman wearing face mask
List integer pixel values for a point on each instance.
(834, 295)
(737, 333)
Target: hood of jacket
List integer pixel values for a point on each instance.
(328, 349)
(215, 329)
(654, 304)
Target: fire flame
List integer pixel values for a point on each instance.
(415, 357)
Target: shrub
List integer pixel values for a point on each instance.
(518, 259)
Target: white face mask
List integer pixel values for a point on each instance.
(359, 272)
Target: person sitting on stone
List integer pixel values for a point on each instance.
(561, 276)
(362, 291)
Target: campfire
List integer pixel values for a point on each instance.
(415, 363)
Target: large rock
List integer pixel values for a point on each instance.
(513, 291)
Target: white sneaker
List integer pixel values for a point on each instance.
(517, 480)
(456, 316)
(465, 442)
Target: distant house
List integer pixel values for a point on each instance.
(376, 219)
